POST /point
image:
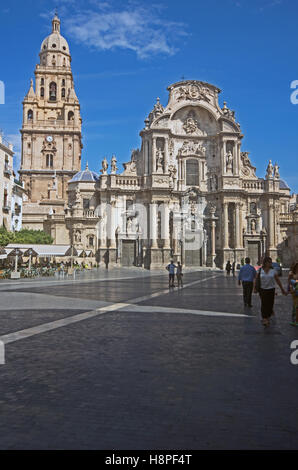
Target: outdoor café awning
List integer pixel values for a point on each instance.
(44, 251)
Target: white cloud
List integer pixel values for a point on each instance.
(136, 28)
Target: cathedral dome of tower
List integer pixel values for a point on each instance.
(55, 42)
(85, 175)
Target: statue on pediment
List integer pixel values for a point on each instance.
(105, 166)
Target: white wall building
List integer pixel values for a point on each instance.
(6, 182)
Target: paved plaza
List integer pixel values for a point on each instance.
(116, 360)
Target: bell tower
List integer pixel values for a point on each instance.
(51, 131)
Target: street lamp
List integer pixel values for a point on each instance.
(15, 274)
(30, 252)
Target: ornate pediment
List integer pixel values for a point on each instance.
(193, 92)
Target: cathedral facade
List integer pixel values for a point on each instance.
(189, 192)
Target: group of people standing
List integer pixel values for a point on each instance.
(264, 282)
(179, 274)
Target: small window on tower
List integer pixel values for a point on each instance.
(63, 82)
(42, 81)
(53, 91)
(30, 115)
(54, 45)
(49, 161)
(42, 92)
(71, 116)
(63, 93)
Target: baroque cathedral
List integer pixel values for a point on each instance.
(189, 193)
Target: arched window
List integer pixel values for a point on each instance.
(192, 172)
(42, 92)
(30, 115)
(70, 116)
(49, 160)
(63, 93)
(53, 91)
(91, 241)
(193, 225)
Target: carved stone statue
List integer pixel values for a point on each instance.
(159, 160)
(172, 172)
(269, 170)
(113, 164)
(213, 183)
(253, 225)
(276, 171)
(105, 166)
(229, 161)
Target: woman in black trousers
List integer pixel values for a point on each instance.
(265, 285)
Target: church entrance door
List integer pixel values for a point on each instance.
(128, 253)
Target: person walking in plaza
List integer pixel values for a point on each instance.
(265, 285)
(171, 268)
(247, 276)
(228, 268)
(233, 268)
(179, 275)
(293, 289)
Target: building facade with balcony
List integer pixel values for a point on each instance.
(18, 192)
(189, 193)
(6, 182)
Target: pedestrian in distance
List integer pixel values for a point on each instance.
(233, 268)
(247, 276)
(293, 289)
(228, 268)
(171, 268)
(179, 275)
(265, 282)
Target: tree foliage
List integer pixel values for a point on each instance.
(25, 236)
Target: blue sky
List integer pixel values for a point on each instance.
(125, 54)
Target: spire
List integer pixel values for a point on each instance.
(31, 93)
(56, 23)
(72, 94)
(87, 167)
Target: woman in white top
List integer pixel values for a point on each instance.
(268, 278)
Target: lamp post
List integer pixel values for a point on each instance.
(30, 251)
(16, 274)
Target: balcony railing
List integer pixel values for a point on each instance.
(89, 213)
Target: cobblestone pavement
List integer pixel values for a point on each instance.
(143, 377)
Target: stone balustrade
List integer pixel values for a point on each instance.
(253, 184)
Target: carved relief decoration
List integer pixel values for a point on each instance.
(191, 148)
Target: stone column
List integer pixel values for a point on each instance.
(166, 155)
(166, 226)
(154, 155)
(112, 225)
(223, 152)
(271, 226)
(225, 225)
(153, 225)
(237, 225)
